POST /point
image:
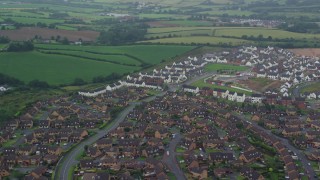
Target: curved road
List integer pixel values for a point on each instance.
(305, 162)
(297, 89)
(69, 160)
(171, 161)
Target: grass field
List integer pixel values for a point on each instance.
(215, 67)
(152, 54)
(107, 58)
(67, 62)
(315, 87)
(201, 84)
(56, 69)
(200, 40)
(274, 33)
(3, 46)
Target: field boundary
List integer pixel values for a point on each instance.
(85, 57)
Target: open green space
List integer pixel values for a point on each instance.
(199, 40)
(201, 84)
(2, 46)
(314, 87)
(215, 67)
(151, 54)
(100, 57)
(56, 69)
(266, 32)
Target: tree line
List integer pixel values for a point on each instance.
(123, 33)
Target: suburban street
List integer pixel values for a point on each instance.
(69, 159)
(305, 162)
(171, 161)
(296, 91)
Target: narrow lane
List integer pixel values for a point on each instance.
(305, 162)
(170, 159)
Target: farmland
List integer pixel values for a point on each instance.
(61, 64)
(274, 33)
(151, 54)
(199, 40)
(56, 69)
(44, 33)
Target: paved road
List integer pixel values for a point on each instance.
(171, 160)
(286, 143)
(297, 89)
(70, 158)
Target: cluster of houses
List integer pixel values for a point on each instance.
(257, 22)
(49, 127)
(272, 63)
(143, 136)
(282, 65)
(178, 72)
(312, 95)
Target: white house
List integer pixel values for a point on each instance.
(261, 74)
(256, 98)
(232, 96)
(2, 89)
(312, 96)
(191, 89)
(241, 97)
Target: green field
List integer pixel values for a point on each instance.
(201, 84)
(56, 69)
(215, 67)
(220, 32)
(2, 46)
(188, 23)
(200, 40)
(274, 33)
(314, 87)
(176, 29)
(102, 57)
(61, 64)
(151, 54)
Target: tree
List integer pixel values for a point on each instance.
(65, 41)
(78, 82)
(123, 33)
(4, 39)
(38, 84)
(20, 46)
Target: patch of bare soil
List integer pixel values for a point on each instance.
(260, 87)
(28, 33)
(306, 51)
(160, 24)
